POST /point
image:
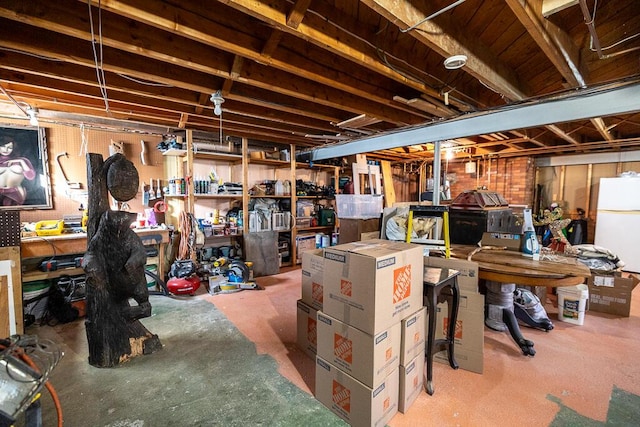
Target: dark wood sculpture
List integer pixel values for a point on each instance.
(114, 265)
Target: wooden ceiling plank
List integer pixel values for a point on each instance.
(193, 26)
(557, 46)
(483, 65)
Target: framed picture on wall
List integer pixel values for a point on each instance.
(24, 174)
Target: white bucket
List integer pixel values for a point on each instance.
(572, 302)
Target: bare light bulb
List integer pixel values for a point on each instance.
(33, 118)
(217, 100)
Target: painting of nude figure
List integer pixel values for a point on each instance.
(24, 174)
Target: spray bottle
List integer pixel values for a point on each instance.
(530, 245)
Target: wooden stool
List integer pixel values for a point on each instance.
(436, 280)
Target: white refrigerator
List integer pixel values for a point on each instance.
(618, 221)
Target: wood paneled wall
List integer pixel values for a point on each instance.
(69, 139)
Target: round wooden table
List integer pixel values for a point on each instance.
(513, 267)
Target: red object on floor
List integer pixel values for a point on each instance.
(183, 286)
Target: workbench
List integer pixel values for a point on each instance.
(76, 243)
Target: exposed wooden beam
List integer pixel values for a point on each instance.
(297, 13)
(557, 46)
(447, 41)
(342, 44)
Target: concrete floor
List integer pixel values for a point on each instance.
(581, 375)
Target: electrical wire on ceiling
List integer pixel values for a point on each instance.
(433, 15)
(98, 57)
(143, 82)
(382, 55)
(35, 55)
(594, 42)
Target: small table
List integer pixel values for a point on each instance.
(436, 280)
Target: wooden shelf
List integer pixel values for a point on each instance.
(227, 157)
(270, 197)
(316, 197)
(32, 276)
(174, 152)
(271, 162)
(217, 196)
(319, 227)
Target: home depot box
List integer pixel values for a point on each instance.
(312, 268)
(413, 331)
(469, 335)
(353, 401)
(468, 277)
(307, 329)
(367, 358)
(372, 284)
(411, 382)
(611, 293)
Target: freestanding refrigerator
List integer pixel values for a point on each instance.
(618, 221)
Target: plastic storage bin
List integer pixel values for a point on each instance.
(359, 206)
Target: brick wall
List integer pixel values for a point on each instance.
(513, 178)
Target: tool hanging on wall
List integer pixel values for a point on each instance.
(70, 185)
(116, 147)
(145, 195)
(143, 152)
(152, 192)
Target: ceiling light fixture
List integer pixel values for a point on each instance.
(217, 100)
(454, 62)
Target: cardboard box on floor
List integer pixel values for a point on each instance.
(469, 336)
(611, 293)
(307, 329)
(367, 358)
(372, 284)
(411, 382)
(312, 272)
(468, 277)
(353, 401)
(413, 336)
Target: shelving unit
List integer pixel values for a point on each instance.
(250, 170)
(190, 164)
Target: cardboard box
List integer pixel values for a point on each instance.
(307, 329)
(513, 242)
(312, 270)
(353, 401)
(413, 332)
(367, 358)
(468, 277)
(411, 382)
(611, 293)
(373, 284)
(469, 337)
(304, 242)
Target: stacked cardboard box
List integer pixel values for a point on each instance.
(469, 335)
(412, 354)
(311, 301)
(369, 287)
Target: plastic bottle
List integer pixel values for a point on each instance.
(530, 245)
(279, 188)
